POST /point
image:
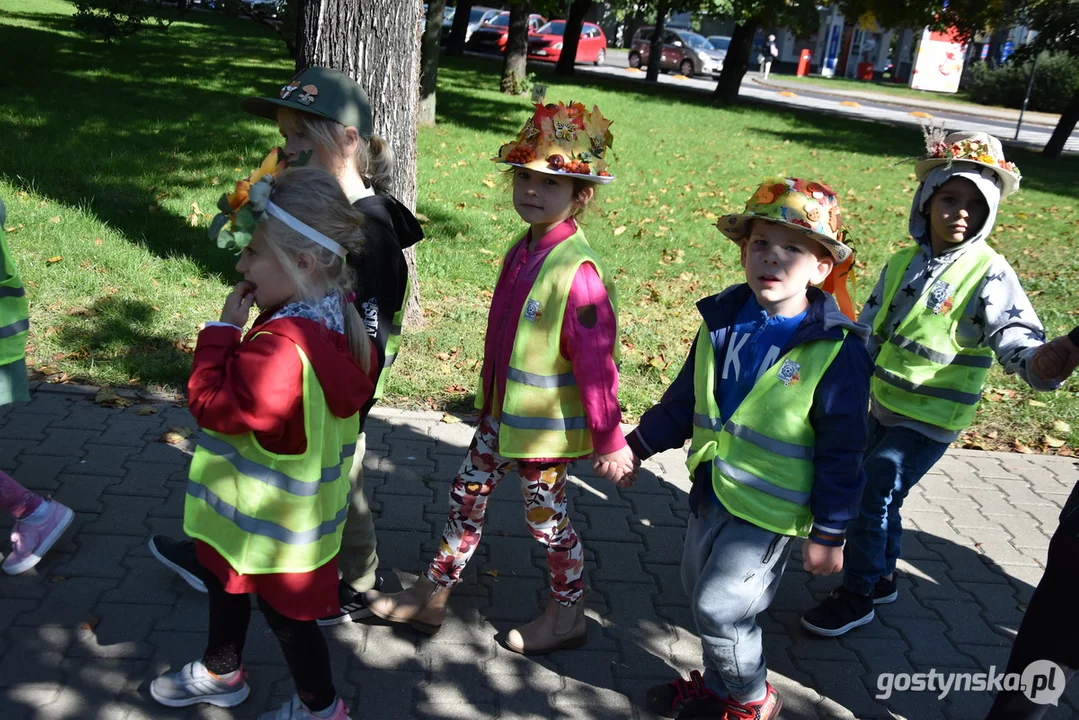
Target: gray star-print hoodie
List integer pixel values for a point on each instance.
(998, 315)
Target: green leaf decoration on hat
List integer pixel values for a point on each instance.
(243, 208)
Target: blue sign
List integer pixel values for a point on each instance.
(831, 55)
(1006, 52)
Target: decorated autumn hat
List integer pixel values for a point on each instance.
(811, 208)
(973, 147)
(562, 140)
(320, 91)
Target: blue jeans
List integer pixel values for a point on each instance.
(896, 458)
(731, 570)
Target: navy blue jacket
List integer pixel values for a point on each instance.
(838, 416)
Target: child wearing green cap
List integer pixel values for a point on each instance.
(325, 119)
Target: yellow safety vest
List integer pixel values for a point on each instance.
(271, 513)
(922, 371)
(393, 342)
(14, 309)
(542, 414)
(762, 457)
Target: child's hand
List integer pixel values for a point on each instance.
(1056, 360)
(821, 559)
(238, 304)
(620, 467)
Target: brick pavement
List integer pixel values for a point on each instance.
(82, 634)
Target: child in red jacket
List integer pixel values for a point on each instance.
(268, 487)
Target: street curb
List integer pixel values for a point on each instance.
(1003, 114)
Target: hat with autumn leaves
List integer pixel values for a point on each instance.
(968, 147)
(811, 208)
(562, 140)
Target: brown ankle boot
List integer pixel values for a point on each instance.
(558, 628)
(423, 606)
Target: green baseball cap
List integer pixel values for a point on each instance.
(320, 91)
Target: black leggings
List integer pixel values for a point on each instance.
(302, 643)
(1050, 627)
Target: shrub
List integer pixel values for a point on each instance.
(1055, 83)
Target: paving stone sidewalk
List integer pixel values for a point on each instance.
(82, 634)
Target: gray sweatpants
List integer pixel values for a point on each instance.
(358, 559)
(731, 570)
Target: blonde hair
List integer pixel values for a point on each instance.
(314, 197)
(374, 157)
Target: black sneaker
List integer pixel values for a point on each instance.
(179, 556)
(841, 612)
(686, 699)
(886, 591)
(353, 604)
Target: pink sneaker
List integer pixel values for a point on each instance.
(34, 535)
(294, 709)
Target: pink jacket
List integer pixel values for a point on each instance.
(588, 349)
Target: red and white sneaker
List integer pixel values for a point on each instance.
(35, 534)
(766, 709)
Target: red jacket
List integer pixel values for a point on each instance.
(256, 385)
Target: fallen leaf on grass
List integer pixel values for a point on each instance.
(1021, 448)
(87, 312)
(1061, 427)
(1053, 442)
(1037, 403)
(146, 410)
(456, 389)
(619, 230)
(450, 419)
(54, 259)
(56, 219)
(176, 435)
(14, 228)
(489, 183)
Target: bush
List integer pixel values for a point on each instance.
(117, 18)
(1056, 82)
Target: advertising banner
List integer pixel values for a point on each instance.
(939, 63)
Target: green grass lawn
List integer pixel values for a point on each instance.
(109, 148)
(887, 88)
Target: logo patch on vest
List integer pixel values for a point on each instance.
(788, 372)
(940, 298)
(532, 310)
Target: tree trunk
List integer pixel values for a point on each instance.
(429, 49)
(456, 45)
(377, 43)
(736, 64)
(572, 37)
(655, 50)
(1064, 128)
(514, 66)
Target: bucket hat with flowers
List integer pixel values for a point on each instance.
(563, 140)
(809, 207)
(973, 147)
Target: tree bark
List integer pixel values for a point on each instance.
(429, 48)
(514, 65)
(655, 51)
(456, 45)
(1063, 131)
(572, 37)
(376, 42)
(736, 64)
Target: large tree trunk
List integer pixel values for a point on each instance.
(736, 63)
(1063, 131)
(456, 45)
(572, 37)
(429, 49)
(655, 51)
(377, 43)
(514, 66)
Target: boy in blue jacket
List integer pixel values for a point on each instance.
(774, 397)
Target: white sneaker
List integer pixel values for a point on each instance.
(294, 709)
(194, 684)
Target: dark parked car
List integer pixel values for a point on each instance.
(476, 16)
(491, 36)
(720, 43)
(685, 51)
(546, 44)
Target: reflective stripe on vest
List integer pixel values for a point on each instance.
(922, 371)
(762, 457)
(542, 414)
(269, 513)
(393, 341)
(14, 308)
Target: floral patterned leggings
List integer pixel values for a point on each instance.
(544, 489)
(16, 499)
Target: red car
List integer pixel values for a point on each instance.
(546, 44)
(491, 36)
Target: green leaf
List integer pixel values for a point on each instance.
(223, 204)
(217, 225)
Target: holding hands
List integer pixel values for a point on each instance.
(1057, 359)
(620, 467)
(238, 304)
(821, 559)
